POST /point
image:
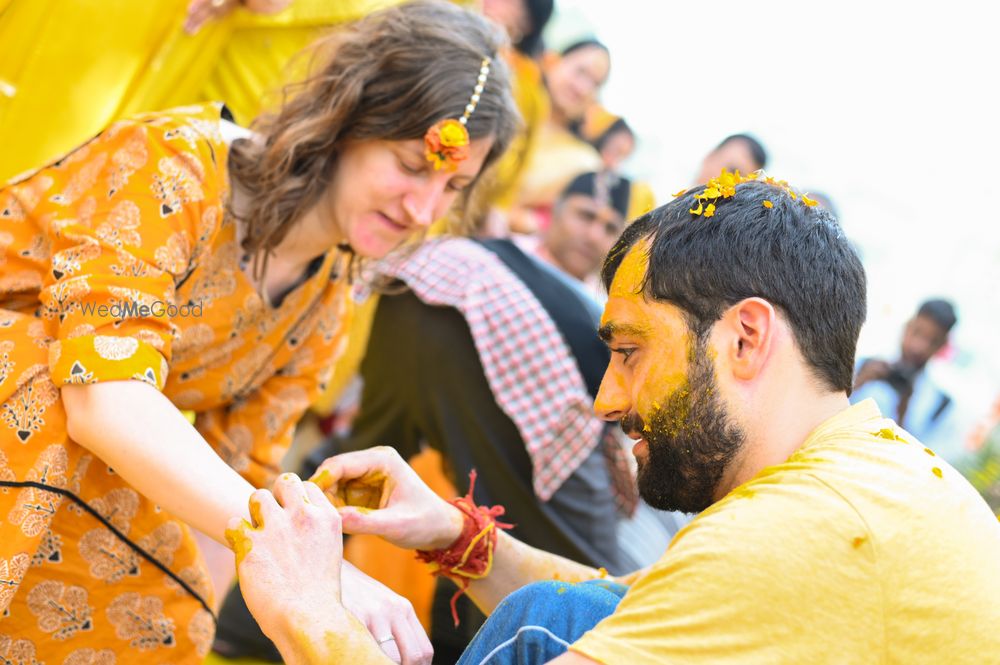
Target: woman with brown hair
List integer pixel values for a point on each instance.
(176, 261)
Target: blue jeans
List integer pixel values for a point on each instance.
(537, 623)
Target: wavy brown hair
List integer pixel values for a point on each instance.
(389, 76)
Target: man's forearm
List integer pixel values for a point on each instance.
(516, 564)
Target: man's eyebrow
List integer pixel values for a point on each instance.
(609, 330)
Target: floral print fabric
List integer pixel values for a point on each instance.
(117, 263)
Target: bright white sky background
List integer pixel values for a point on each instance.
(890, 108)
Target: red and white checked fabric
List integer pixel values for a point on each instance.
(529, 367)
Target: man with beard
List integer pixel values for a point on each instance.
(826, 533)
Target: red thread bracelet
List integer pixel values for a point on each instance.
(470, 557)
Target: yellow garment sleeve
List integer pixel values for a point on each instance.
(126, 212)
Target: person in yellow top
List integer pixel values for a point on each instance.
(572, 80)
(71, 67)
(615, 141)
(826, 533)
(524, 21)
(177, 261)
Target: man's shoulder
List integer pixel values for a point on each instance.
(783, 510)
(826, 551)
(829, 499)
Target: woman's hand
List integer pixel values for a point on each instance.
(202, 11)
(378, 493)
(295, 583)
(289, 562)
(388, 617)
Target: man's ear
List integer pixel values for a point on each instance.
(748, 327)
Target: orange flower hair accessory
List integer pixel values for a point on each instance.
(446, 143)
(723, 187)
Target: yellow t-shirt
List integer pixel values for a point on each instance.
(863, 547)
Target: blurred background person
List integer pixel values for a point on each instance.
(740, 152)
(524, 21)
(610, 135)
(586, 221)
(71, 67)
(573, 80)
(615, 142)
(903, 388)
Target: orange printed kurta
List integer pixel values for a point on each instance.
(117, 263)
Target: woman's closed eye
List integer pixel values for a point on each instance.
(411, 168)
(625, 351)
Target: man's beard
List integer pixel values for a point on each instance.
(691, 441)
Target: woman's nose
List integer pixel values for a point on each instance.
(423, 204)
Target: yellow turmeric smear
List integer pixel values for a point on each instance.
(631, 273)
(256, 519)
(348, 643)
(330, 649)
(239, 541)
(323, 479)
(370, 491)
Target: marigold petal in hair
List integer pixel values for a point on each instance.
(447, 141)
(723, 187)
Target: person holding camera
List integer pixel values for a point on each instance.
(903, 389)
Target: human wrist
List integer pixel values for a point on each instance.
(452, 524)
(306, 639)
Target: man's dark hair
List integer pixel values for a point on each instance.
(794, 256)
(940, 312)
(755, 147)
